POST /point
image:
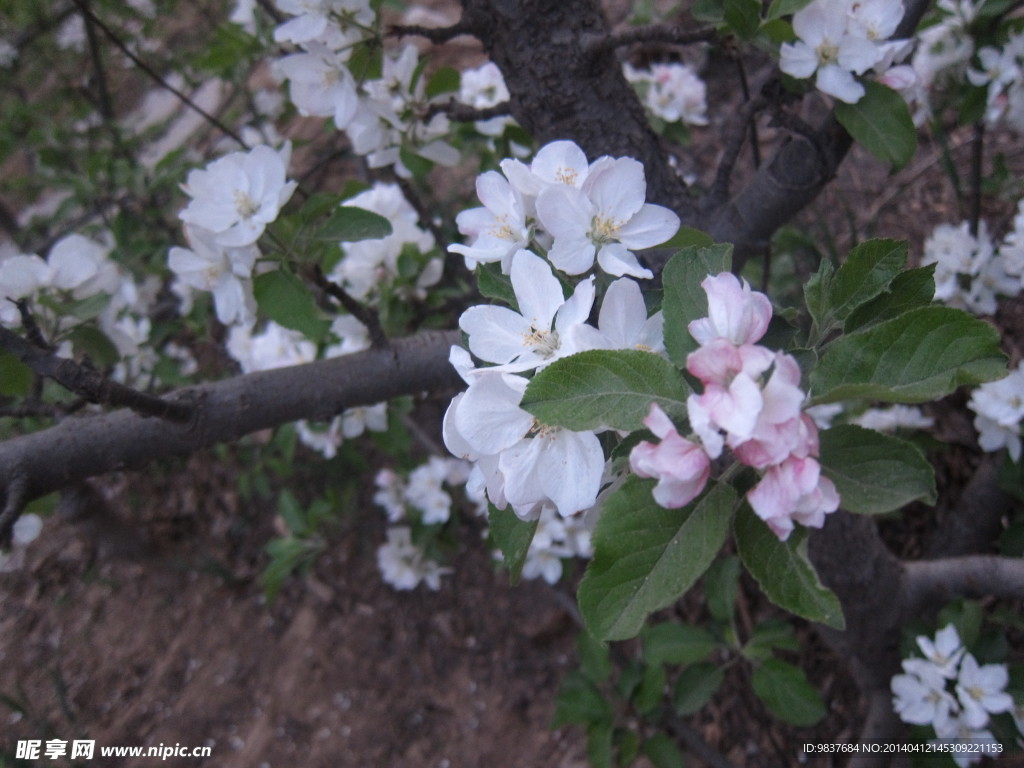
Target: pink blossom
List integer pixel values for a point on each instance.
(682, 467)
(735, 312)
(793, 490)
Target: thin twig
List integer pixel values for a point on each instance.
(433, 34)
(364, 314)
(733, 146)
(91, 385)
(651, 33)
(464, 113)
(28, 322)
(155, 76)
(977, 158)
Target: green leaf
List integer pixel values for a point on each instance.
(672, 643)
(512, 536)
(605, 388)
(816, 292)
(599, 744)
(285, 300)
(495, 285)
(921, 355)
(646, 557)
(875, 473)
(695, 686)
(649, 694)
(774, 634)
(784, 571)
(780, 8)
(684, 299)
(90, 340)
(594, 659)
(349, 224)
(909, 290)
(881, 123)
(663, 752)
(15, 376)
(744, 16)
(580, 702)
(868, 269)
(686, 237)
(721, 584)
(785, 690)
(444, 80)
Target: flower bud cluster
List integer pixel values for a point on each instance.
(752, 404)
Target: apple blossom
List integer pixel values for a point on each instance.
(534, 336)
(236, 196)
(403, 565)
(735, 312)
(606, 218)
(207, 265)
(979, 689)
(320, 84)
(498, 228)
(672, 92)
(681, 467)
(622, 322)
(793, 490)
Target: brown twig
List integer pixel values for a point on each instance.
(91, 385)
(435, 35)
(365, 314)
(651, 33)
(464, 113)
(155, 76)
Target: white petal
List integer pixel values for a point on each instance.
(617, 187)
(616, 259)
(652, 225)
(495, 333)
(537, 290)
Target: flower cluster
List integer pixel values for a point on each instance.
(999, 409)
(950, 691)
(403, 565)
(672, 92)
(838, 39)
(574, 210)
(370, 264)
(519, 460)
(751, 403)
(1002, 73)
(481, 88)
(382, 116)
(970, 270)
(556, 539)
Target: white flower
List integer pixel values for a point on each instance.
(498, 228)
(236, 196)
(622, 322)
(225, 272)
(403, 565)
(274, 347)
(980, 690)
(672, 92)
(321, 84)
(556, 163)
(336, 22)
(481, 88)
(920, 696)
(944, 652)
(893, 418)
(534, 336)
(369, 263)
(999, 409)
(607, 218)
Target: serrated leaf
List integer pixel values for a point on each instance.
(513, 537)
(684, 299)
(743, 16)
(881, 123)
(90, 340)
(921, 355)
(350, 224)
(495, 285)
(875, 473)
(285, 300)
(780, 8)
(663, 752)
(721, 585)
(605, 388)
(672, 643)
(785, 690)
(646, 557)
(15, 376)
(580, 702)
(784, 571)
(909, 290)
(868, 269)
(695, 687)
(816, 293)
(444, 80)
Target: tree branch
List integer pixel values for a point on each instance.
(930, 582)
(464, 113)
(436, 35)
(650, 33)
(225, 410)
(89, 384)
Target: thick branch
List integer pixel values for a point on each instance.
(226, 410)
(930, 582)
